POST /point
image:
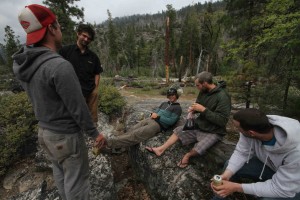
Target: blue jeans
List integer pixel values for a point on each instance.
(252, 171)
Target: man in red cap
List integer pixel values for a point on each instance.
(58, 103)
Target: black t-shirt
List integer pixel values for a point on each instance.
(86, 66)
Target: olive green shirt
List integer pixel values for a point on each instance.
(217, 112)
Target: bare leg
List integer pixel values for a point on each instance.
(184, 162)
(161, 149)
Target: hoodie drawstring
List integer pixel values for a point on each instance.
(262, 171)
(249, 152)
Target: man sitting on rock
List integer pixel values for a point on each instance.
(268, 153)
(213, 105)
(165, 116)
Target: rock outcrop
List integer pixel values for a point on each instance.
(35, 181)
(161, 176)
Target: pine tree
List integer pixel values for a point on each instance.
(2, 61)
(210, 33)
(12, 44)
(279, 44)
(129, 46)
(189, 43)
(112, 42)
(171, 13)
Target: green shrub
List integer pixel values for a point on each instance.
(164, 91)
(293, 103)
(110, 100)
(136, 84)
(144, 83)
(125, 72)
(17, 128)
(107, 80)
(147, 88)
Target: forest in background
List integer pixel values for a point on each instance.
(243, 41)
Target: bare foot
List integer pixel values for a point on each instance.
(184, 162)
(154, 150)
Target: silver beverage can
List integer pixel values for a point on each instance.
(96, 151)
(217, 180)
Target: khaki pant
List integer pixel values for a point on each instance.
(69, 157)
(92, 103)
(140, 132)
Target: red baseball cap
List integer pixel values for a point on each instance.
(34, 19)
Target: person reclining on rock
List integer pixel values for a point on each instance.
(165, 116)
(213, 105)
(267, 153)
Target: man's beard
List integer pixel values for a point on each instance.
(204, 90)
(84, 43)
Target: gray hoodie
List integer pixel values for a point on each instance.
(54, 91)
(283, 158)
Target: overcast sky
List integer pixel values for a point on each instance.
(94, 10)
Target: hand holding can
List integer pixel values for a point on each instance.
(217, 180)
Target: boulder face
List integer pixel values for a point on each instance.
(101, 178)
(161, 175)
(35, 181)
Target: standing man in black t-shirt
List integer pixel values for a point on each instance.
(87, 66)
